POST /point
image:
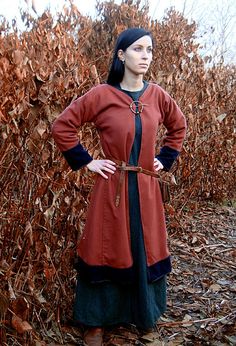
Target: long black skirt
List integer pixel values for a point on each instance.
(140, 303)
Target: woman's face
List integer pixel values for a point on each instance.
(137, 56)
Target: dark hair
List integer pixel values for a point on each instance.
(124, 40)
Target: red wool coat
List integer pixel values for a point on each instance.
(106, 237)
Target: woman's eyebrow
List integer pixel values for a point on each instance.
(140, 45)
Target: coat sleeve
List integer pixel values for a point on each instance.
(65, 129)
(175, 123)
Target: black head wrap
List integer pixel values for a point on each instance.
(124, 40)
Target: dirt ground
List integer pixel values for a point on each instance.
(201, 289)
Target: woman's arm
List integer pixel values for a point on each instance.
(65, 134)
(175, 123)
(65, 129)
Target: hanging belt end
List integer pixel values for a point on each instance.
(117, 201)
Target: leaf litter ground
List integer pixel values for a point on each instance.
(201, 289)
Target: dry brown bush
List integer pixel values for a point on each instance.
(43, 203)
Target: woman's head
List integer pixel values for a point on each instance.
(130, 45)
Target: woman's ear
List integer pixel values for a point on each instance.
(120, 55)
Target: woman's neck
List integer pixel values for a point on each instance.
(132, 83)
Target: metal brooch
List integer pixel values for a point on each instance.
(136, 107)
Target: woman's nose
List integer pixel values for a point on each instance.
(145, 55)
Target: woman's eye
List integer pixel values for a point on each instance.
(149, 50)
(137, 49)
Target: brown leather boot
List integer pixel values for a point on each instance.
(93, 336)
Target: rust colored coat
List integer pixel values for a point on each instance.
(106, 238)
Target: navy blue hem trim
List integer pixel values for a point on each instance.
(100, 274)
(159, 269)
(77, 157)
(167, 157)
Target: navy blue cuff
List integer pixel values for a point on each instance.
(77, 157)
(167, 157)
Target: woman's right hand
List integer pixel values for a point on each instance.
(99, 166)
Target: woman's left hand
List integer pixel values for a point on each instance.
(158, 165)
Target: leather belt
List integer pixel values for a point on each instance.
(125, 167)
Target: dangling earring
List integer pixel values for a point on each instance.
(123, 61)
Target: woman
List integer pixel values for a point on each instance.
(123, 257)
